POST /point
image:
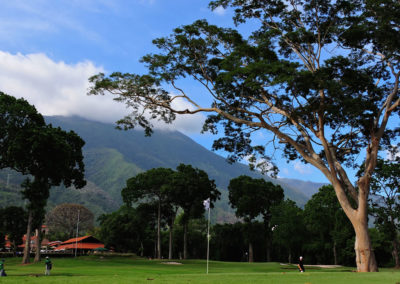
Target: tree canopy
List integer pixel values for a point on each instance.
(189, 188)
(321, 77)
(252, 198)
(50, 156)
(62, 220)
(150, 187)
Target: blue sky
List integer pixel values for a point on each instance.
(48, 49)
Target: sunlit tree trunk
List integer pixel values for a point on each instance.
(365, 257)
(395, 253)
(335, 261)
(251, 253)
(171, 229)
(185, 229)
(38, 244)
(27, 248)
(159, 231)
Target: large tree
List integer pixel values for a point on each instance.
(252, 198)
(49, 155)
(321, 77)
(189, 188)
(149, 187)
(62, 220)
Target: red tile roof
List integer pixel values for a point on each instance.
(89, 239)
(79, 246)
(74, 240)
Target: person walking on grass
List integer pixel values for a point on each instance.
(48, 266)
(2, 271)
(301, 265)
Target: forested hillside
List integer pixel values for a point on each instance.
(112, 156)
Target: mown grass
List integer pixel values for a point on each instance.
(107, 269)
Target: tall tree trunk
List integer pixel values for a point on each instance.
(365, 256)
(14, 248)
(159, 231)
(27, 248)
(38, 243)
(335, 261)
(268, 237)
(268, 250)
(290, 256)
(185, 229)
(171, 229)
(251, 253)
(395, 253)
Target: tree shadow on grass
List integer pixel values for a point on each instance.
(42, 275)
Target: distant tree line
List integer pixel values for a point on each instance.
(154, 223)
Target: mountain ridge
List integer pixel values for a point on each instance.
(111, 156)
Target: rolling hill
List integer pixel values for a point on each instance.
(112, 156)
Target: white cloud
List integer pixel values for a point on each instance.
(302, 168)
(58, 88)
(220, 11)
(285, 171)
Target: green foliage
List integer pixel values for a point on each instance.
(385, 204)
(128, 230)
(288, 227)
(189, 188)
(50, 155)
(328, 227)
(253, 197)
(280, 61)
(17, 119)
(227, 241)
(13, 224)
(148, 186)
(383, 247)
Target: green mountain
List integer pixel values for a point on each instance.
(112, 156)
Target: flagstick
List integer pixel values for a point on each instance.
(208, 236)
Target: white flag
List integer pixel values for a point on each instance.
(206, 203)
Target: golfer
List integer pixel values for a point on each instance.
(48, 266)
(2, 271)
(300, 265)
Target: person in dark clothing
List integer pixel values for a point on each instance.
(301, 265)
(48, 266)
(2, 271)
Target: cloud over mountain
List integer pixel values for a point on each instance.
(59, 88)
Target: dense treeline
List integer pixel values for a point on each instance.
(320, 231)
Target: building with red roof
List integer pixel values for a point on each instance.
(82, 244)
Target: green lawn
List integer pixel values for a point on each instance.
(130, 270)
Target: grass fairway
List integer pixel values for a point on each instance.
(98, 270)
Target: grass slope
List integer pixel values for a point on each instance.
(95, 269)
